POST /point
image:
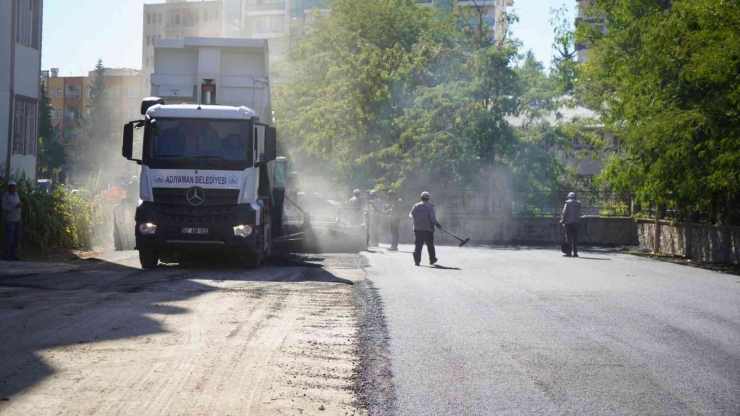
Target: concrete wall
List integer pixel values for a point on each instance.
(23, 165)
(27, 71)
(5, 71)
(608, 231)
(708, 243)
(4, 120)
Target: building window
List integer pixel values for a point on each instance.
(59, 114)
(74, 92)
(131, 92)
(205, 15)
(69, 114)
(25, 22)
(148, 18)
(24, 128)
(51, 114)
(114, 91)
(159, 18)
(89, 92)
(148, 40)
(130, 114)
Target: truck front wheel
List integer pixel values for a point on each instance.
(253, 260)
(148, 259)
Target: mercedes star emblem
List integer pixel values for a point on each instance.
(195, 196)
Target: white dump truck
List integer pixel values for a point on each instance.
(207, 153)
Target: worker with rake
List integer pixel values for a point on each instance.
(425, 220)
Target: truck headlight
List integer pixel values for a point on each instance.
(148, 228)
(242, 230)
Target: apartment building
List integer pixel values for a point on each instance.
(176, 19)
(493, 11)
(70, 97)
(20, 69)
(256, 19)
(584, 17)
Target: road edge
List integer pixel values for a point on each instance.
(373, 378)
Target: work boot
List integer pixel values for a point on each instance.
(432, 261)
(416, 263)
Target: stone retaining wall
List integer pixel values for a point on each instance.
(608, 231)
(707, 241)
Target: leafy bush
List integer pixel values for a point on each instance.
(62, 219)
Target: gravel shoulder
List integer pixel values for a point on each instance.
(374, 376)
(183, 341)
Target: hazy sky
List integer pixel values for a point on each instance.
(78, 32)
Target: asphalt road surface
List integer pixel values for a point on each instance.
(529, 332)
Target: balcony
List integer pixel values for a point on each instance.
(73, 93)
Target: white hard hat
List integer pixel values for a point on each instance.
(12, 183)
(572, 195)
(373, 193)
(356, 192)
(425, 195)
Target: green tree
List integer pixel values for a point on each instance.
(564, 64)
(666, 76)
(97, 144)
(350, 79)
(394, 95)
(51, 149)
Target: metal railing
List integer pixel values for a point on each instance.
(551, 203)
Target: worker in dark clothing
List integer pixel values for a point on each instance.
(393, 210)
(425, 220)
(375, 208)
(571, 220)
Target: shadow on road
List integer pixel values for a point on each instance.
(440, 267)
(110, 301)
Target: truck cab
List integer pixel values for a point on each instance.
(207, 161)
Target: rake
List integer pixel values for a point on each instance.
(462, 242)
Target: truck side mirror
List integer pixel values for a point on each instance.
(270, 144)
(127, 149)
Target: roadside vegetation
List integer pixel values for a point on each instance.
(61, 219)
(665, 77)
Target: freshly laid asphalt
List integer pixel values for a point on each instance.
(505, 331)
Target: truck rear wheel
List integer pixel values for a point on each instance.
(148, 259)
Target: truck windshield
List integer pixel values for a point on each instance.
(200, 139)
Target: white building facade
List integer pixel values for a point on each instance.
(493, 12)
(584, 17)
(20, 71)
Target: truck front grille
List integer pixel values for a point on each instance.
(178, 197)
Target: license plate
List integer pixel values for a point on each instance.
(194, 230)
